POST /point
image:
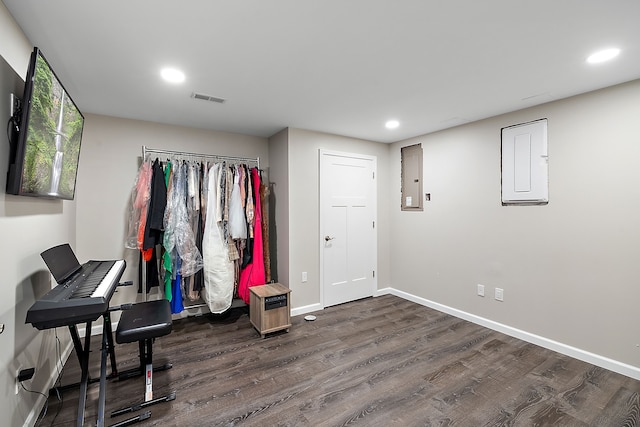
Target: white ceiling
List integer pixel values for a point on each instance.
(337, 66)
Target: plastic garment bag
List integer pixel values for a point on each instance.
(178, 233)
(237, 219)
(140, 195)
(218, 270)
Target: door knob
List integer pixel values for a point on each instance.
(327, 238)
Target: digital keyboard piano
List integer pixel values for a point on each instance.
(83, 297)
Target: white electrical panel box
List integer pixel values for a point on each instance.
(411, 177)
(525, 164)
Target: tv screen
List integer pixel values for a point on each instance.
(43, 159)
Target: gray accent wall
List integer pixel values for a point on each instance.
(110, 156)
(27, 227)
(570, 270)
(303, 221)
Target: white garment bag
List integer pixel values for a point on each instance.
(237, 219)
(218, 270)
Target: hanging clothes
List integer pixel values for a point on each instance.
(154, 227)
(140, 194)
(167, 263)
(176, 289)
(218, 269)
(253, 274)
(247, 253)
(237, 218)
(151, 270)
(198, 278)
(210, 214)
(264, 211)
(157, 205)
(193, 215)
(178, 233)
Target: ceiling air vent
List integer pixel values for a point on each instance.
(210, 98)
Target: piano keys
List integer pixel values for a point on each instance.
(83, 298)
(83, 292)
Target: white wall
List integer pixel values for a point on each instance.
(15, 47)
(303, 210)
(27, 226)
(569, 270)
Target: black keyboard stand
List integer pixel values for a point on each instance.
(82, 352)
(144, 322)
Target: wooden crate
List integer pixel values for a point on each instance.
(269, 309)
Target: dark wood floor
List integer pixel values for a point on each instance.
(376, 362)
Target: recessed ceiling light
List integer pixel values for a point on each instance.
(172, 75)
(392, 124)
(603, 55)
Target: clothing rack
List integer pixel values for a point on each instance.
(184, 155)
(196, 156)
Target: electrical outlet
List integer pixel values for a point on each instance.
(23, 375)
(481, 290)
(15, 104)
(16, 379)
(499, 294)
(26, 374)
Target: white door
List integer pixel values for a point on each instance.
(348, 243)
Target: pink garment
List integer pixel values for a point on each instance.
(142, 199)
(253, 274)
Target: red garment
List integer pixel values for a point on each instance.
(253, 273)
(146, 254)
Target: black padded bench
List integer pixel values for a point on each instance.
(144, 322)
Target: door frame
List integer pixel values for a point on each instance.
(321, 155)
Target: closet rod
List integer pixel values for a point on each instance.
(146, 150)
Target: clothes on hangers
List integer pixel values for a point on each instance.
(253, 274)
(157, 205)
(210, 219)
(167, 264)
(218, 269)
(140, 194)
(237, 221)
(264, 210)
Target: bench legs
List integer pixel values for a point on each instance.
(137, 407)
(146, 358)
(146, 368)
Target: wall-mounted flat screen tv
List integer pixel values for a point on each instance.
(45, 150)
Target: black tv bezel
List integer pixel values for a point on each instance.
(19, 142)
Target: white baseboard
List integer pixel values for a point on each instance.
(383, 291)
(95, 330)
(297, 311)
(306, 309)
(585, 356)
(33, 415)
